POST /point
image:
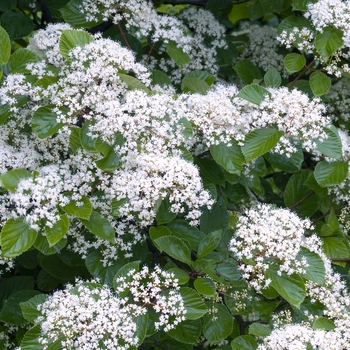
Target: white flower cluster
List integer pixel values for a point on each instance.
(263, 47)
(303, 337)
(338, 98)
(158, 289)
(92, 316)
(265, 233)
(89, 316)
(142, 16)
(323, 14)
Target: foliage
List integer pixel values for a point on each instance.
(174, 176)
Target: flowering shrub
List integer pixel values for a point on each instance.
(174, 176)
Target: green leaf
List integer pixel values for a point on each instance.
(247, 71)
(217, 325)
(11, 312)
(259, 329)
(205, 286)
(253, 93)
(86, 140)
(12, 178)
(203, 75)
(335, 248)
(181, 58)
(14, 284)
(244, 342)
(330, 174)
(183, 230)
(316, 270)
(100, 226)
(211, 171)
(157, 232)
(160, 78)
(175, 247)
(55, 233)
(164, 215)
(215, 219)
(230, 158)
(44, 122)
(55, 267)
(110, 162)
(294, 62)
(125, 272)
(272, 78)
(225, 272)
(239, 11)
(30, 340)
(47, 282)
(43, 246)
(81, 209)
(291, 22)
(19, 60)
(323, 323)
(133, 83)
(181, 275)
(195, 85)
(274, 6)
(30, 307)
(72, 38)
(7, 5)
(187, 332)
(291, 288)
(320, 83)
(16, 237)
(73, 15)
(208, 243)
(300, 5)
(327, 42)
(117, 204)
(193, 303)
(5, 47)
(331, 146)
(17, 24)
(259, 142)
(299, 196)
(94, 263)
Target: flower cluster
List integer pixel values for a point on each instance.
(148, 23)
(91, 316)
(266, 233)
(158, 289)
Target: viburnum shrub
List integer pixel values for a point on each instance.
(174, 174)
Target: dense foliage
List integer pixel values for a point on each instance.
(174, 174)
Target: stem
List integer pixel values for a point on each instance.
(149, 53)
(300, 74)
(301, 200)
(123, 35)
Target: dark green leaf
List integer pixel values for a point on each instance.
(19, 60)
(208, 243)
(181, 275)
(215, 219)
(164, 215)
(11, 312)
(110, 162)
(259, 329)
(133, 83)
(244, 342)
(17, 24)
(73, 38)
(335, 247)
(205, 286)
(331, 146)
(217, 325)
(175, 247)
(323, 323)
(31, 341)
(194, 305)
(187, 332)
(124, 271)
(160, 78)
(247, 71)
